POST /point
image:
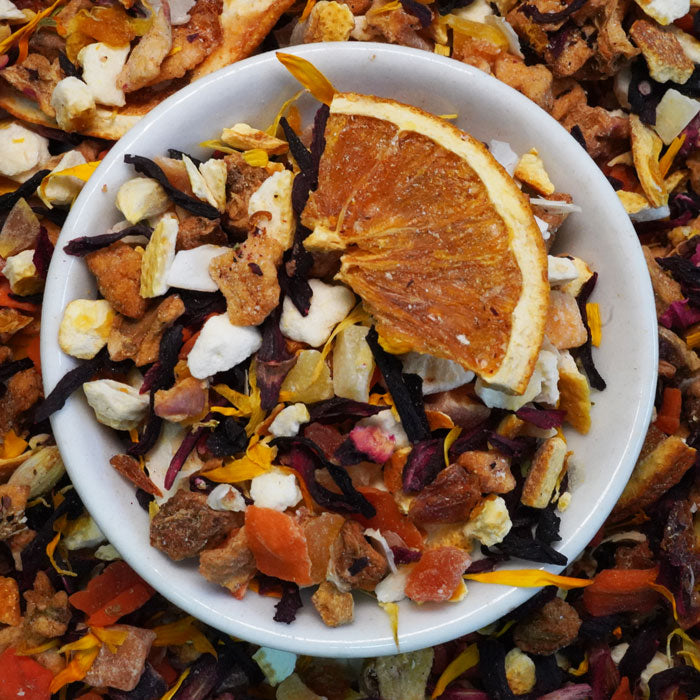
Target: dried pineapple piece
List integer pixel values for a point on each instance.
(301, 385)
(158, 257)
(246, 138)
(531, 170)
(646, 148)
(353, 364)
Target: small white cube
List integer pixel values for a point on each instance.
(491, 522)
(116, 404)
(190, 268)
(275, 197)
(275, 490)
(21, 150)
(288, 421)
(101, 66)
(330, 304)
(85, 327)
(63, 189)
(141, 198)
(220, 346)
(21, 273)
(74, 103)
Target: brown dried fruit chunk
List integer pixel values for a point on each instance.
(638, 556)
(129, 467)
(10, 614)
(662, 51)
(140, 340)
(491, 468)
(241, 181)
(448, 499)
(12, 321)
(194, 231)
(355, 561)
(534, 82)
(552, 627)
(231, 564)
(464, 410)
(335, 607)
(47, 613)
(122, 668)
(666, 289)
(247, 276)
(36, 76)
(23, 391)
(118, 272)
(185, 525)
(653, 475)
(13, 500)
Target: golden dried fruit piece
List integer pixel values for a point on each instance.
(438, 240)
(646, 148)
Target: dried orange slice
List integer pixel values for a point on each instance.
(438, 240)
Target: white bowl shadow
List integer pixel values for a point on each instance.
(252, 91)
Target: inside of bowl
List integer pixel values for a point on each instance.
(252, 92)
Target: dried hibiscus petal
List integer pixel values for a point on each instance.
(42, 253)
(338, 409)
(150, 434)
(306, 457)
(25, 190)
(492, 669)
(421, 12)
(424, 463)
(183, 452)
(290, 602)
(294, 272)
(531, 12)
(544, 418)
(229, 438)
(83, 245)
(147, 167)
(274, 361)
(408, 401)
(584, 352)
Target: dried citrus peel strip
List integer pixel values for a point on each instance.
(449, 440)
(667, 158)
(309, 76)
(466, 660)
(529, 578)
(83, 172)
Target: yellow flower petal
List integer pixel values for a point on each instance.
(529, 578)
(392, 610)
(113, 638)
(26, 29)
(50, 550)
(183, 631)
(177, 685)
(666, 160)
(466, 660)
(13, 445)
(256, 157)
(309, 76)
(272, 129)
(666, 594)
(594, 323)
(449, 439)
(76, 670)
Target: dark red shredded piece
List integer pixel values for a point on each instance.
(274, 361)
(149, 168)
(444, 7)
(513, 447)
(424, 463)
(42, 253)
(685, 679)
(306, 457)
(640, 652)
(605, 677)
(229, 438)
(67, 66)
(161, 374)
(9, 369)
(26, 190)
(482, 566)
(531, 12)
(421, 12)
(176, 154)
(492, 669)
(524, 546)
(83, 245)
(294, 272)
(405, 555)
(68, 384)
(584, 353)
(290, 602)
(544, 418)
(150, 434)
(179, 458)
(337, 408)
(408, 401)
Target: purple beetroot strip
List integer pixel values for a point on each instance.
(183, 452)
(82, 246)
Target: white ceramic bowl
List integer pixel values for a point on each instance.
(252, 91)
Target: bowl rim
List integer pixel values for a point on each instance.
(285, 638)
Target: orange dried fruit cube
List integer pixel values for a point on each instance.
(320, 534)
(389, 517)
(437, 575)
(278, 544)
